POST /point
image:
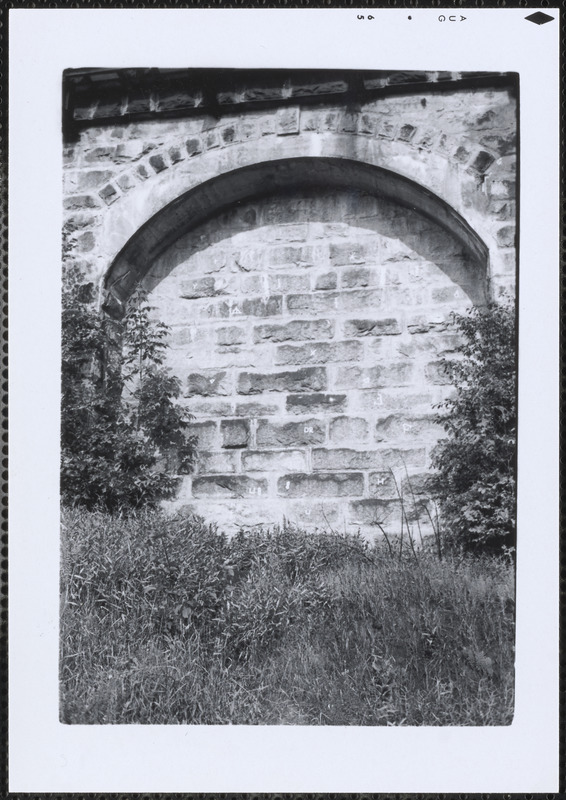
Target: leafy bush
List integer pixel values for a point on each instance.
(475, 481)
(122, 433)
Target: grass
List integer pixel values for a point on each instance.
(167, 621)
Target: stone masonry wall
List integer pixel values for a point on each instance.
(307, 326)
(306, 330)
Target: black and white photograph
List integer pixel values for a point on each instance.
(289, 375)
(287, 392)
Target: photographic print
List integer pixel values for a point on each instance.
(289, 383)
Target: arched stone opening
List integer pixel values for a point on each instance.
(309, 303)
(266, 178)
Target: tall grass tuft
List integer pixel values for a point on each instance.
(166, 620)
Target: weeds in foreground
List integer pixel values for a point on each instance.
(167, 621)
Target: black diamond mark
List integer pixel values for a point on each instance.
(539, 18)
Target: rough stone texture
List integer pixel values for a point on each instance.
(307, 326)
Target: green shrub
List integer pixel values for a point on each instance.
(123, 435)
(476, 463)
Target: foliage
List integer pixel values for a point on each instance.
(165, 620)
(475, 481)
(122, 431)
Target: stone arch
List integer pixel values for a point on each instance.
(216, 194)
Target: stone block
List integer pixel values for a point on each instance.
(290, 434)
(358, 276)
(372, 327)
(235, 433)
(109, 194)
(217, 463)
(397, 78)
(406, 132)
(308, 379)
(506, 236)
(176, 155)
(254, 410)
(233, 486)
(347, 253)
(250, 307)
(318, 353)
(482, 162)
(126, 182)
(208, 382)
(381, 485)
(396, 429)
(422, 324)
(323, 282)
(346, 459)
(319, 88)
(206, 433)
(287, 120)
(335, 484)
(231, 335)
(193, 146)
(375, 512)
(326, 302)
(321, 514)
(274, 460)
(438, 372)
(346, 430)
(297, 330)
(80, 201)
(315, 403)
(198, 287)
(157, 162)
(288, 283)
(378, 377)
(211, 408)
(90, 179)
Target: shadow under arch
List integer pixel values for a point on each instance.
(266, 178)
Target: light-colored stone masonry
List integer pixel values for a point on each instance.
(307, 324)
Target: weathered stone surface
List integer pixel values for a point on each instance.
(319, 353)
(335, 484)
(208, 382)
(348, 253)
(308, 379)
(229, 486)
(375, 512)
(381, 485)
(347, 430)
(327, 302)
(231, 335)
(80, 201)
(199, 287)
(298, 330)
(394, 428)
(235, 433)
(274, 460)
(250, 307)
(253, 410)
(372, 327)
(288, 283)
(323, 282)
(206, 433)
(315, 403)
(378, 377)
(343, 458)
(217, 463)
(287, 120)
(290, 434)
(438, 372)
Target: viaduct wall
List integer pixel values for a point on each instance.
(307, 249)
